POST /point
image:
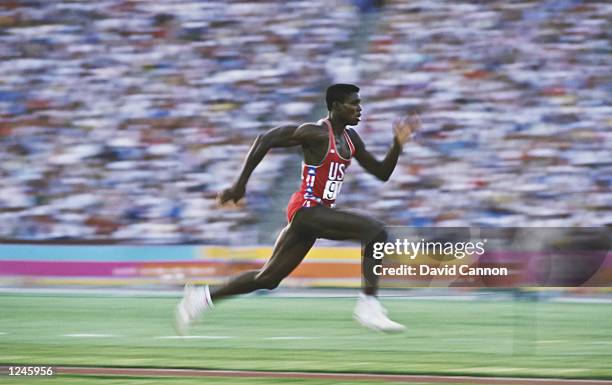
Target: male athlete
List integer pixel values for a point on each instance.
(328, 147)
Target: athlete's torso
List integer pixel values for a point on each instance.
(321, 182)
(315, 152)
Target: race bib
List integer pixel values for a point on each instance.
(332, 188)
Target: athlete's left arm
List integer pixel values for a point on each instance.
(403, 129)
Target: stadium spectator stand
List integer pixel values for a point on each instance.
(120, 120)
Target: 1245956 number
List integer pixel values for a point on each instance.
(31, 371)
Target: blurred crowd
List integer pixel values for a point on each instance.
(516, 101)
(121, 119)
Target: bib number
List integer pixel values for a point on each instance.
(332, 188)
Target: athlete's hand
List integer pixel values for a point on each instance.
(405, 127)
(234, 194)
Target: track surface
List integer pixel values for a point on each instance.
(147, 372)
(270, 339)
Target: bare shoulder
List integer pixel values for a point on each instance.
(311, 130)
(311, 126)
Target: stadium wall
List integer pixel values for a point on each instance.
(165, 265)
(122, 265)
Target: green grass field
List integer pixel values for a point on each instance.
(485, 338)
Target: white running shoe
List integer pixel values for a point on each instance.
(371, 314)
(196, 300)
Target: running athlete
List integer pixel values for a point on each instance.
(328, 148)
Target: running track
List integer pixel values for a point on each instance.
(152, 372)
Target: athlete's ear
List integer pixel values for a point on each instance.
(336, 105)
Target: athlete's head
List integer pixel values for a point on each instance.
(343, 102)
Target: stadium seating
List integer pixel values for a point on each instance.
(120, 120)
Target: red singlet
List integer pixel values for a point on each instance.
(321, 184)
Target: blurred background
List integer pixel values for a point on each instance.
(120, 120)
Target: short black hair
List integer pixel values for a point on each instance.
(338, 93)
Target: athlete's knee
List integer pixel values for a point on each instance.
(268, 281)
(381, 233)
(375, 232)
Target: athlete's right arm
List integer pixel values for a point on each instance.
(281, 136)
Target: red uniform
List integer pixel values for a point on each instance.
(321, 184)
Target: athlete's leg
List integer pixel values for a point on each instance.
(323, 222)
(289, 250)
(337, 224)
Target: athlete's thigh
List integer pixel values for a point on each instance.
(323, 222)
(289, 250)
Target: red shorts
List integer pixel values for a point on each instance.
(296, 203)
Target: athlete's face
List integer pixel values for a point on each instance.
(350, 110)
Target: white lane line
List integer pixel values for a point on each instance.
(580, 300)
(552, 341)
(89, 335)
(193, 337)
(3, 333)
(291, 338)
(94, 335)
